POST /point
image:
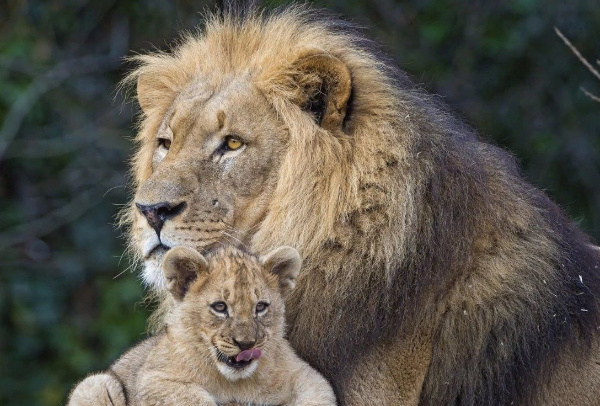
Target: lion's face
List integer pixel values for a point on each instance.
(230, 305)
(212, 166)
(227, 126)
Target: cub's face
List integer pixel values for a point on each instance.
(231, 303)
(207, 170)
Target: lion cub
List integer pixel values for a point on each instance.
(224, 341)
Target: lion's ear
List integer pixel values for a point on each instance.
(285, 262)
(153, 91)
(325, 84)
(182, 266)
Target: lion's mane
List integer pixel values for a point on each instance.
(406, 219)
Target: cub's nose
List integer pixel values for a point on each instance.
(157, 214)
(244, 344)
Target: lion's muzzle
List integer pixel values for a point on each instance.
(157, 214)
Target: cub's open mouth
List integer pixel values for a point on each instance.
(242, 360)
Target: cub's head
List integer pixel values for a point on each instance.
(230, 303)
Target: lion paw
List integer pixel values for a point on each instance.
(100, 390)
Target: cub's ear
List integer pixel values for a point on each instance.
(324, 84)
(182, 266)
(284, 262)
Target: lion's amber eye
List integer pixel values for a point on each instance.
(261, 307)
(219, 307)
(165, 143)
(233, 143)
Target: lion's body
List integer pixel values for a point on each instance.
(435, 274)
(186, 365)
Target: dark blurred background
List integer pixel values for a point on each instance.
(69, 302)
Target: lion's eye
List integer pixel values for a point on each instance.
(232, 143)
(165, 143)
(219, 307)
(261, 307)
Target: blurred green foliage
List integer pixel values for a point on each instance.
(69, 303)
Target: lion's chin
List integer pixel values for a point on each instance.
(152, 274)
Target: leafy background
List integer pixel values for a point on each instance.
(69, 303)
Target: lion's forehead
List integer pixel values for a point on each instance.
(238, 100)
(196, 91)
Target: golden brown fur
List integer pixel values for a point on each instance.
(190, 364)
(435, 274)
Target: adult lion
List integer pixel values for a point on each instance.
(435, 274)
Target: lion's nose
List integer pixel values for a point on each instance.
(244, 344)
(157, 214)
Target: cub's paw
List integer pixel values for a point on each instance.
(100, 390)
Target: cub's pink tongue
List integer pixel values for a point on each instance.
(247, 355)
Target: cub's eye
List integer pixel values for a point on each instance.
(219, 307)
(165, 143)
(232, 143)
(261, 307)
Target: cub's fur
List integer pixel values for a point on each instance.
(435, 274)
(223, 342)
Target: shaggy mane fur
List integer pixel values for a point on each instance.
(405, 220)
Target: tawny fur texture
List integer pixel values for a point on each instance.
(435, 273)
(227, 303)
